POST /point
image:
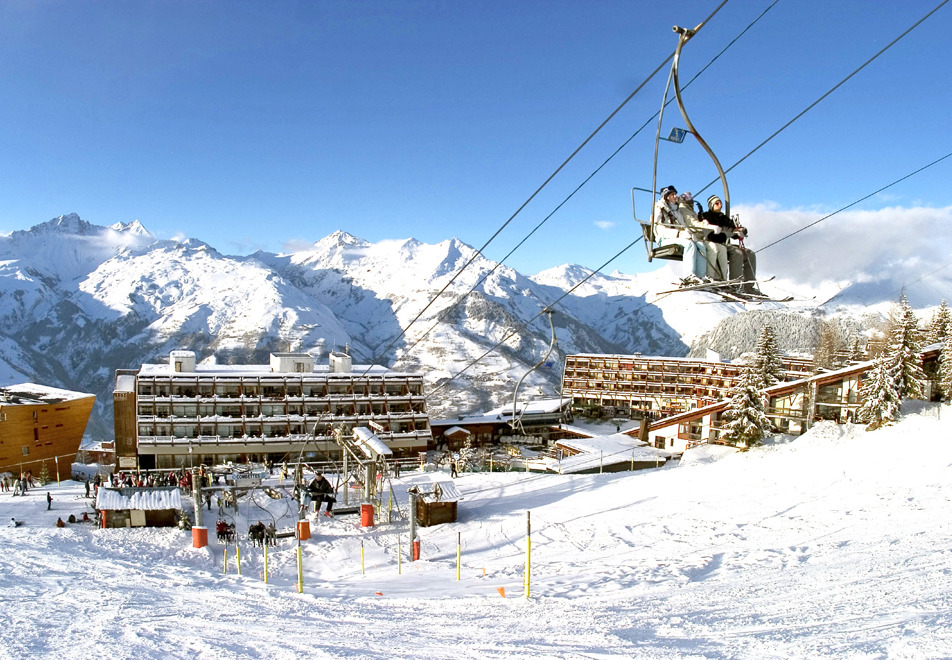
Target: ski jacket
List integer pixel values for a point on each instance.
(678, 221)
(720, 219)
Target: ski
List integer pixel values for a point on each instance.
(716, 284)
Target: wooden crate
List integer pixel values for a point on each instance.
(435, 513)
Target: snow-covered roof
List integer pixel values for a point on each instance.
(604, 450)
(144, 499)
(453, 430)
(265, 370)
(126, 383)
(32, 394)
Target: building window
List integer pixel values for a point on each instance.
(178, 365)
(26, 451)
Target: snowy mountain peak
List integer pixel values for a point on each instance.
(70, 223)
(134, 228)
(341, 238)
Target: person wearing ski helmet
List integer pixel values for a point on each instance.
(674, 228)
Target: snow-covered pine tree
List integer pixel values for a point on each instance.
(902, 353)
(767, 363)
(745, 422)
(944, 377)
(939, 329)
(880, 399)
(467, 456)
(856, 349)
(828, 344)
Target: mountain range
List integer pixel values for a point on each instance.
(78, 301)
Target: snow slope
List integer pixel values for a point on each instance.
(833, 544)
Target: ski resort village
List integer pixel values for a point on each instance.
(262, 422)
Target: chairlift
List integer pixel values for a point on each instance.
(515, 422)
(677, 135)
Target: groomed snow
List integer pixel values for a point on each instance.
(834, 544)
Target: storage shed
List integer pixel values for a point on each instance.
(139, 507)
(437, 505)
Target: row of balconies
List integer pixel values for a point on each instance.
(205, 440)
(313, 398)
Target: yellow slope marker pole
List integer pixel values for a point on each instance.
(265, 574)
(459, 554)
(300, 567)
(399, 557)
(224, 562)
(362, 571)
(237, 555)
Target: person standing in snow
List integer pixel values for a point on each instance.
(49, 501)
(673, 228)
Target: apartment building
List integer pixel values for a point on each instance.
(664, 386)
(183, 413)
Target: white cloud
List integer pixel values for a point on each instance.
(901, 244)
(604, 224)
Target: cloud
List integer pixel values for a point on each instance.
(849, 245)
(604, 224)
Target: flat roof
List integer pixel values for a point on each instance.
(33, 394)
(265, 370)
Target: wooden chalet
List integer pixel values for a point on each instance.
(41, 428)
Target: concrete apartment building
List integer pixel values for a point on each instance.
(183, 413)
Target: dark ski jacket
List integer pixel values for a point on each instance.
(720, 219)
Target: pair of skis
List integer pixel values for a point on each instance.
(723, 289)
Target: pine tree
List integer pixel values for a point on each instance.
(745, 422)
(939, 329)
(44, 475)
(767, 363)
(824, 355)
(944, 377)
(467, 459)
(879, 396)
(902, 353)
(856, 349)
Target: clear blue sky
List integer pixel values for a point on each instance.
(264, 125)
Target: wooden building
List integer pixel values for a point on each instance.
(41, 428)
(631, 385)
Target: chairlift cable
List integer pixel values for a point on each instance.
(584, 181)
(854, 203)
(831, 90)
(479, 252)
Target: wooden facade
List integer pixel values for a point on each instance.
(41, 427)
(631, 385)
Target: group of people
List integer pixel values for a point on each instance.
(708, 254)
(262, 535)
(19, 485)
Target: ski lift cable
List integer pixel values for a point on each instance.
(524, 326)
(583, 183)
(530, 198)
(861, 199)
(830, 91)
(904, 286)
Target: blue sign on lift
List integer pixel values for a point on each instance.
(677, 135)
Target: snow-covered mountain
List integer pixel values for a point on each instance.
(78, 301)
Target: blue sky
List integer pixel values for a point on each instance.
(268, 125)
